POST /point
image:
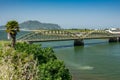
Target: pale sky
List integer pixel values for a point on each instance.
(66, 13)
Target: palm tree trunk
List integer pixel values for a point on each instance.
(13, 36)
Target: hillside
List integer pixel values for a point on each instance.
(35, 25)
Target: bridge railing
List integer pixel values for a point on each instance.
(63, 35)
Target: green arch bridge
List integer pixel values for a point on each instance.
(62, 35)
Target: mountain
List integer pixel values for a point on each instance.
(35, 25)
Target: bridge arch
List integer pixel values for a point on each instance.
(61, 35)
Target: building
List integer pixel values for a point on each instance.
(114, 30)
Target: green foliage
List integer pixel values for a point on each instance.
(54, 70)
(49, 67)
(17, 66)
(42, 54)
(30, 62)
(78, 30)
(12, 27)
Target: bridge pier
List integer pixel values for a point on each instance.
(29, 42)
(78, 42)
(114, 39)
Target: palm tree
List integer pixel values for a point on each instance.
(12, 27)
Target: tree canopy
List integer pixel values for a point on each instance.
(12, 27)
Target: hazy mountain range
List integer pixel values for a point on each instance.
(35, 25)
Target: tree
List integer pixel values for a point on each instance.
(54, 70)
(12, 27)
(49, 67)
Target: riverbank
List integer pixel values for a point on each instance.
(30, 62)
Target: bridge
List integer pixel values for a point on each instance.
(63, 35)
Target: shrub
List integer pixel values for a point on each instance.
(54, 70)
(31, 62)
(42, 54)
(17, 66)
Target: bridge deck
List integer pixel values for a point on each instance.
(59, 35)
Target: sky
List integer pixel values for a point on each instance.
(66, 13)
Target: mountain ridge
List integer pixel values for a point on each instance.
(35, 25)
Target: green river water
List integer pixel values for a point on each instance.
(97, 60)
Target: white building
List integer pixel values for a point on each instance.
(114, 30)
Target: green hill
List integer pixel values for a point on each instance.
(35, 25)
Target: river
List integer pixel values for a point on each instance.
(97, 60)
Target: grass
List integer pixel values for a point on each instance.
(16, 65)
(77, 30)
(4, 42)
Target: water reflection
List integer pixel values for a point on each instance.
(78, 49)
(96, 60)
